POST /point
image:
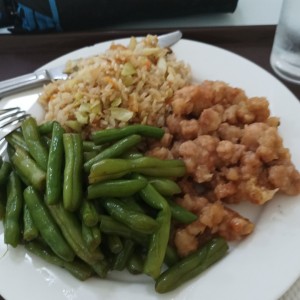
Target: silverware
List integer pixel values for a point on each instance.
(169, 39)
(10, 119)
(41, 77)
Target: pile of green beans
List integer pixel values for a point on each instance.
(92, 206)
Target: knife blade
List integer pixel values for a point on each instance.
(42, 76)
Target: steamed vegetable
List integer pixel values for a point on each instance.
(92, 208)
(191, 266)
(72, 182)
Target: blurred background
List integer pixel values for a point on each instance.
(26, 15)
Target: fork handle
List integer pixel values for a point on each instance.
(21, 83)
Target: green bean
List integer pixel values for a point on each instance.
(110, 226)
(12, 230)
(4, 172)
(28, 170)
(91, 236)
(55, 166)
(116, 168)
(88, 155)
(167, 172)
(77, 268)
(114, 150)
(135, 263)
(32, 138)
(101, 268)
(135, 220)
(88, 146)
(15, 139)
(158, 245)
(132, 204)
(2, 210)
(71, 230)
(180, 214)
(110, 135)
(115, 188)
(123, 256)
(165, 187)
(191, 266)
(159, 239)
(46, 127)
(115, 244)
(153, 162)
(109, 169)
(152, 197)
(133, 154)
(88, 213)
(72, 188)
(46, 141)
(11, 152)
(46, 225)
(2, 202)
(97, 234)
(171, 257)
(30, 231)
(99, 148)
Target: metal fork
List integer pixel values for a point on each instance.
(10, 120)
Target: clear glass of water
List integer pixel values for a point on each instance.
(285, 56)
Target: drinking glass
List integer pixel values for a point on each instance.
(285, 55)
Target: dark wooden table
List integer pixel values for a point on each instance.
(20, 54)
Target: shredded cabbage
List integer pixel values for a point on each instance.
(121, 114)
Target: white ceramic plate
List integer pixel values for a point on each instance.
(261, 267)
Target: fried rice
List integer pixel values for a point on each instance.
(125, 84)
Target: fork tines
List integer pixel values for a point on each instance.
(10, 115)
(11, 119)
